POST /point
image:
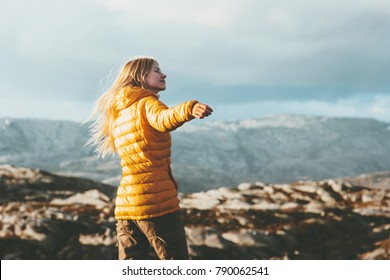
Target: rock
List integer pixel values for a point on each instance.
(250, 186)
(242, 220)
(195, 235)
(326, 197)
(235, 203)
(336, 186)
(201, 201)
(214, 240)
(106, 239)
(91, 197)
(381, 252)
(264, 205)
(366, 198)
(307, 188)
(245, 186)
(289, 205)
(314, 207)
(204, 236)
(240, 238)
(269, 190)
(46, 216)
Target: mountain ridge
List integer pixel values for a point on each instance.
(211, 154)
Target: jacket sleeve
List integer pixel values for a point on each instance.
(165, 119)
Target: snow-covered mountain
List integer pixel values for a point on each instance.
(56, 146)
(212, 154)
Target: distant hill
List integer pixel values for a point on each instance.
(211, 154)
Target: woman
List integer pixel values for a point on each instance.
(134, 123)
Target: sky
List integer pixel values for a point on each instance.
(245, 58)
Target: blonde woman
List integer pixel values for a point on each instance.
(133, 122)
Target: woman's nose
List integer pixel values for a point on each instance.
(163, 75)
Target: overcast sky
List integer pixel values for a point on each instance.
(246, 58)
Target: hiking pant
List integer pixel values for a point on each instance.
(166, 235)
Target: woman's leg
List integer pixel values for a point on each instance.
(167, 236)
(132, 243)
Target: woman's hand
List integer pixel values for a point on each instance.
(201, 111)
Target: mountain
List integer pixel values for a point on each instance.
(47, 216)
(56, 146)
(280, 149)
(205, 155)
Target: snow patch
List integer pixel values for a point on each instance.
(5, 123)
(284, 121)
(287, 121)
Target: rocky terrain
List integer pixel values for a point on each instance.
(47, 216)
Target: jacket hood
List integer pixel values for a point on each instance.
(128, 95)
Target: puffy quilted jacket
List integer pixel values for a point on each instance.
(143, 142)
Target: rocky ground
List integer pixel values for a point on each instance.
(46, 216)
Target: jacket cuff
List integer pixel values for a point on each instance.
(191, 105)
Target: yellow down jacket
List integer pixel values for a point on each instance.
(142, 139)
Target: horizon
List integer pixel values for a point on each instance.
(211, 120)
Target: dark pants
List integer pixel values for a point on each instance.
(166, 235)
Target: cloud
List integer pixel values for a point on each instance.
(52, 49)
(363, 106)
(45, 109)
(366, 106)
(237, 43)
(227, 52)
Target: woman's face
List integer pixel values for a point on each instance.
(155, 79)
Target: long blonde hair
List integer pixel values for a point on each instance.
(133, 73)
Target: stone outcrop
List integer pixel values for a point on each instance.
(304, 220)
(46, 216)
